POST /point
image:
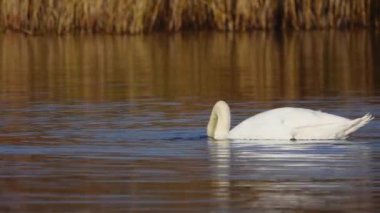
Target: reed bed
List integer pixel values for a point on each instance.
(136, 16)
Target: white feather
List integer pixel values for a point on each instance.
(284, 124)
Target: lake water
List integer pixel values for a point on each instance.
(117, 123)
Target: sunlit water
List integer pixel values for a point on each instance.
(103, 123)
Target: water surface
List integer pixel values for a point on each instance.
(117, 123)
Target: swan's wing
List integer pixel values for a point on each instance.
(287, 123)
(310, 124)
(338, 128)
(320, 131)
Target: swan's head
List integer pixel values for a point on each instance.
(219, 123)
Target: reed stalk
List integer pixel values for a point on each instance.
(137, 16)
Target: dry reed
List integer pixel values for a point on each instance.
(136, 16)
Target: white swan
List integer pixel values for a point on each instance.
(283, 124)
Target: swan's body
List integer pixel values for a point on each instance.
(283, 124)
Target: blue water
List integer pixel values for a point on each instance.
(114, 155)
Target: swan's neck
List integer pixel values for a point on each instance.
(219, 123)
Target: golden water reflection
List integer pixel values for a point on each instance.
(258, 66)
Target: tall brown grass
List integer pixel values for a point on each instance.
(136, 16)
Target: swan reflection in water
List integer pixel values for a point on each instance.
(295, 174)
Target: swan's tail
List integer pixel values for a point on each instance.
(357, 123)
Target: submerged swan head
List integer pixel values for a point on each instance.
(219, 123)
